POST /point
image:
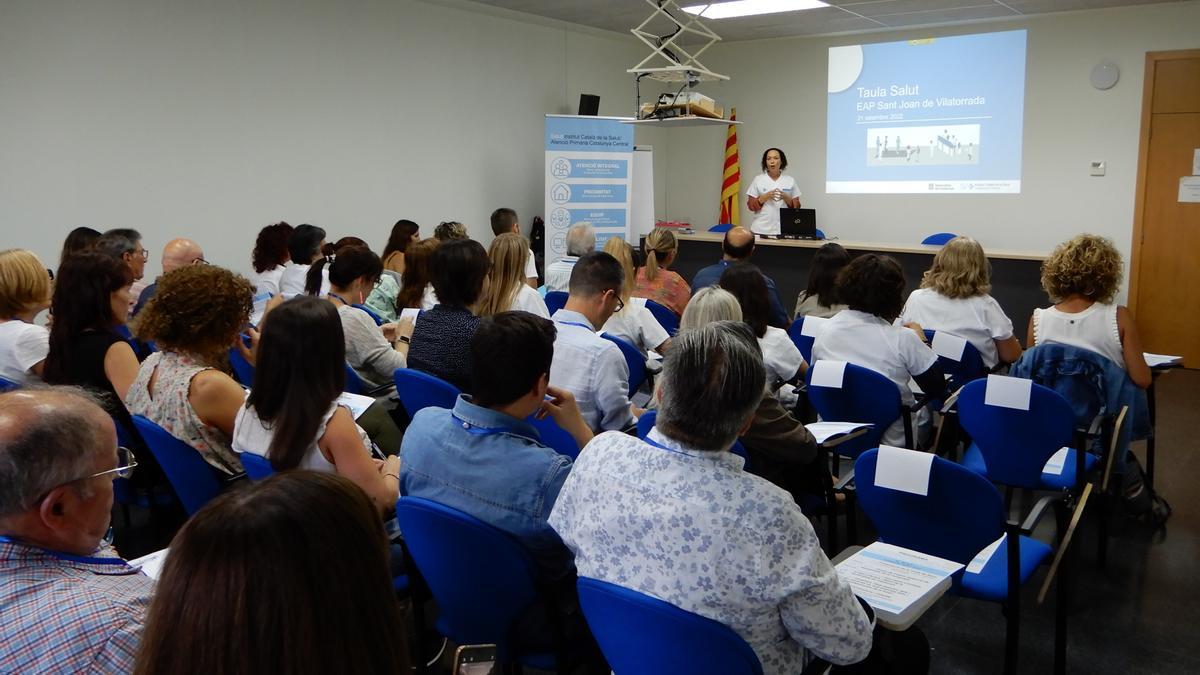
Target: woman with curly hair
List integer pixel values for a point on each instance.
(953, 297)
(194, 319)
(1081, 277)
(863, 334)
(270, 257)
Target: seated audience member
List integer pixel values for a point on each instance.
(637, 513)
(873, 288)
(441, 340)
(292, 416)
(450, 230)
(194, 318)
(633, 323)
(819, 297)
(505, 221)
(289, 575)
(177, 253)
(585, 364)
(781, 449)
(380, 299)
(954, 297)
(581, 239)
(126, 245)
(270, 257)
(78, 239)
(780, 355)
(416, 284)
(507, 290)
(91, 298)
(304, 246)
(655, 281)
(1082, 277)
(404, 232)
(70, 603)
(24, 293)
(738, 246)
(373, 351)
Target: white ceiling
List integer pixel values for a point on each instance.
(843, 16)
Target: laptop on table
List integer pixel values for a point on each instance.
(798, 223)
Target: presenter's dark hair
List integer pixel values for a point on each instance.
(402, 235)
(503, 220)
(271, 247)
(873, 284)
(302, 552)
(822, 278)
(348, 264)
(595, 273)
(782, 159)
(509, 352)
(79, 239)
(459, 268)
(745, 281)
(305, 243)
(82, 301)
(292, 400)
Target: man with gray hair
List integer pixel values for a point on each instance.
(581, 238)
(676, 517)
(68, 602)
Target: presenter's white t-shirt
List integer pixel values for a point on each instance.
(766, 221)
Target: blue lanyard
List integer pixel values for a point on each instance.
(89, 560)
(344, 301)
(656, 444)
(576, 323)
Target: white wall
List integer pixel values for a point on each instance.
(212, 119)
(779, 88)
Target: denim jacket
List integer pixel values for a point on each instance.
(1092, 384)
(491, 466)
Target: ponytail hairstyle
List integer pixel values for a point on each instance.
(507, 253)
(659, 245)
(304, 243)
(347, 265)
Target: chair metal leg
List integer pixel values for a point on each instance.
(851, 505)
(1063, 596)
(1152, 410)
(1012, 607)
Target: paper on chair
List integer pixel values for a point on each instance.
(904, 470)
(828, 373)
(812, 326)
(1156, 360)
(357, 403)
(1057, 461)
(981, 559)
(1008, 392)
(823, 431)
(151, 565)
(899, 583)
(948, 345)
(410, 313)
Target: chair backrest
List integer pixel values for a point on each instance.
(633, 359)
(354, 383)
(721, 227)
(242, 370)
(418, 390)
(193, 480)
(8, 385)
(481, 577)
(666, 318)
(642, 635)
(803, 342)
(819, 234)
(371, 313)
(969, 368)
(554, 436)
(939, 239)
(646, 422)
(865, 396)
(1016, 443)
(257, 467)
(959, 516)
(555, 300)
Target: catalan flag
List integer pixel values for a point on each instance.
(731, 185)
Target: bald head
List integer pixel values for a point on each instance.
(738, 244)
(180, 253)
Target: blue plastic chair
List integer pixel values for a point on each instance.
(633, 359)
(354, 383)
(646, 422)
(242, 370)
(803, 342)
(555, 437)
(666, 318)
(820, 234)
(257, 467)
(194, 481)
(961, 514)
(481, 578)
(1011, 446)
(418, 390)
(721, 227)
(555, 300)
(370, 312)
(865, 396)
(642, 635)
(8, 385)
(939, 239)
(968, 369)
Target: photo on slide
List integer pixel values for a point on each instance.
(935, 145)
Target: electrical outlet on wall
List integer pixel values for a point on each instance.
(1098, 168)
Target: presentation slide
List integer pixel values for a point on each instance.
(939, 115)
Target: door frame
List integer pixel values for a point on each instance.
(1139, 203)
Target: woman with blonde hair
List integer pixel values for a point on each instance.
(24, 292)
(507, 289)
(656, 281)
(953, 297)
(416, 283)
(634, 323)
(1081, 277)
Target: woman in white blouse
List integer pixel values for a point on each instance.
(24, 293)
(634, 323)
(780, 356)
(508, 290)
(771, 191)
(270, 258)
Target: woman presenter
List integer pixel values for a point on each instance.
(771, 191)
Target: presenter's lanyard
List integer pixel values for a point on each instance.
(88, 560)
(476, 430)
(338, 297)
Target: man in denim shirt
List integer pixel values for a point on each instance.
(482, 457)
